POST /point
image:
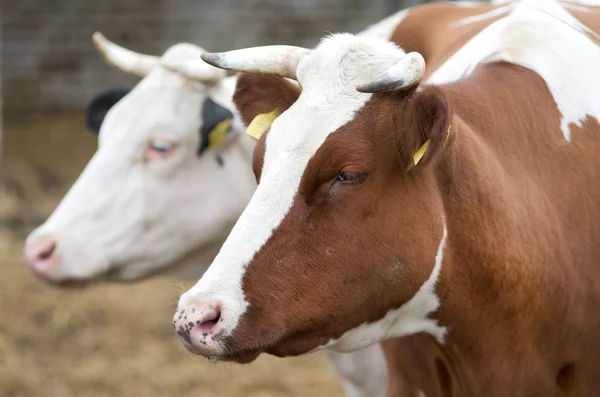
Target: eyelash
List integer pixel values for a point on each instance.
(350, 178)
(161, 146)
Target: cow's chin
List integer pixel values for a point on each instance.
(286, 347)
(113, 275)
(236, 351)
(247, 356)
(227, 354)
(72, 283)
(241, 358)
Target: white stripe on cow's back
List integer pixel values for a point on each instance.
(580, 7)
(386, 27)
(592, 3)
(566, 3)
(483, 16)
(329, 76)
(408, 319)
(544, 37)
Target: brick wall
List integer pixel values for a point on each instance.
(49, 61)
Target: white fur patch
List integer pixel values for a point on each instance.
(408, 319)
(593, 3)
(363, 373)
(135, 217)
(483, 16)
(466, 3)
(544, 37)
(329, 76)
(579, 7)
(386, 27)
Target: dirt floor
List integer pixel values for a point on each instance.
(109, 340)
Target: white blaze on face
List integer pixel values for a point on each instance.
(329, 76)
(137, 214)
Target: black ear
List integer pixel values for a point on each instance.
(212, 115)
(100, 105)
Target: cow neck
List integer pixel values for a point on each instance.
(496, 281)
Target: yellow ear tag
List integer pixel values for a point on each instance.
(216, 135)
(419, 153)
(260, 124)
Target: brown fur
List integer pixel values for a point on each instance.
(428, 29)
(267, 90)
(519, 286)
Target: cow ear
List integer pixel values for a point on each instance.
(426, 127)
(216, 123)
(266, 96)
(100, 105)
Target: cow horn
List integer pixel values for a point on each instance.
(281, 60)
(406, 73)
(196, 70)
(123, 59)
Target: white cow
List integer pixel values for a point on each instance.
(164, 188)
(153, 192)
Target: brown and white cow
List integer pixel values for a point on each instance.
(455, 207)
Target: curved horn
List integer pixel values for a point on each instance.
(196, 70)
(406, 73)
(281, 60)
(123, 59)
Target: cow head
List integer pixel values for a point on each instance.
(342, 243)
(171, 174)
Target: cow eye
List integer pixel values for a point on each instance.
(159, 147)
(347, 177)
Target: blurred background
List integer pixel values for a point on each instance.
(116, 340)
